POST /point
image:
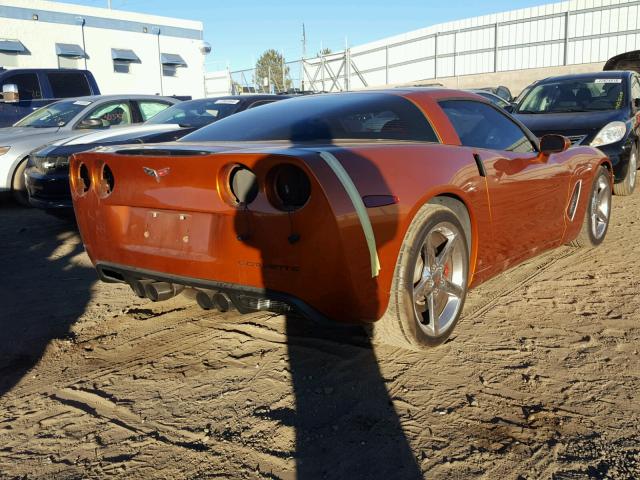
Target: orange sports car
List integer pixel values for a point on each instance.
(377, 206)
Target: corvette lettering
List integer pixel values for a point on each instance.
(284, 268)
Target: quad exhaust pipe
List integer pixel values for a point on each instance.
(159, 291)
(155, 291)
(210, 299)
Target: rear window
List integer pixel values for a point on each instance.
(27, 83)
(69, 84)
(324, 118)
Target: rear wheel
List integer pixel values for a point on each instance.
(430, 281)
(628, 185)
(18, 185)
(596, 218)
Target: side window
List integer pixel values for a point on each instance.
(111, 114)
(149, 108)
(69, 84)
(28, 85)
(482, 126)
(258, 103)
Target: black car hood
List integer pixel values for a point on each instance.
(573, 123)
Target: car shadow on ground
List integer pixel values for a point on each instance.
(44, 289)
(344, 420)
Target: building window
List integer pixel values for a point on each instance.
(122, 60)
(70, 55)
(170, 63)
(169, 70)
(121, 67)
(66, 62)
(9, 51)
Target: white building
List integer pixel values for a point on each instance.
(511, 48)
(126, 52)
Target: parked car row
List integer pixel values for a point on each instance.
(379, 208)
(47, 170)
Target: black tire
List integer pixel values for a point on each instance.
(402, 324)
(18, 185)
(590, 235)
(628, 185)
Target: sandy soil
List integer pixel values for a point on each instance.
(540, 379)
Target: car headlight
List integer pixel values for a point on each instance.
(4, 150)
(611, 133)
(47, 164)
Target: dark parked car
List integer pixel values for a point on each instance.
(47, 174)
(27, 89)
(493, 98)
(597, 109)
(624, 61)
(501, 91)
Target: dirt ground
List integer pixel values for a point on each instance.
(540, 379)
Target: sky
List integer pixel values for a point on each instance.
(239, 31)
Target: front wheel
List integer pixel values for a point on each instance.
(596, 218)
(18, 185)
(628, 185)
(430, 281)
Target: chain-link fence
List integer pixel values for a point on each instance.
(287, 78)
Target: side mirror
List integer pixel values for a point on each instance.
(510, 108)
(553, 144)
(636, 102)
(10, 93)
(90, 123)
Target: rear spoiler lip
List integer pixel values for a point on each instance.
(276, 147)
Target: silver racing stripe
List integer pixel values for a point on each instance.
(358, 204)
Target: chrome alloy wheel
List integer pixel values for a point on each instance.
(439, 282)
(633, 167)
(601, 207)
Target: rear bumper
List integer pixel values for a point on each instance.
(245, 298)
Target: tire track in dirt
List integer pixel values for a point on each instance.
(492, 291)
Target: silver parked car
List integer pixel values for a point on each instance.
(69, 118)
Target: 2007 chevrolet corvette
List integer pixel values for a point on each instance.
(360, 207)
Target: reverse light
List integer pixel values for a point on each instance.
(243, 185)
(108, 181)
(83, 181)
(611, 133)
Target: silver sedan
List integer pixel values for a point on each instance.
(69, 118)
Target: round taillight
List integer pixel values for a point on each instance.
(84, 179)
(108, 181)
(243, 184)
(290, 187)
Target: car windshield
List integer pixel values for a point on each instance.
(575, 95)
(55, 115)
(197, 113)
(323, 118)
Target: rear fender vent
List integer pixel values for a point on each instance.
(573, 203)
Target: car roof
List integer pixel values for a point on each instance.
(98, 98)
(579, 76)
(41, 70)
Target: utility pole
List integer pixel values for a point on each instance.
(304, 54)
(109, 4)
